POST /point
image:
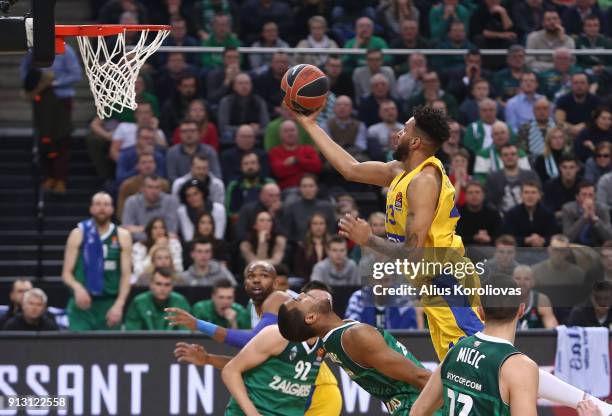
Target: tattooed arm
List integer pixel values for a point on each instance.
(422, 197)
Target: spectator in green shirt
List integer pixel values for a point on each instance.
(221, 35)
(443, 14)
(364, 39)
(146, 312)
(221, 309)
(591, 38)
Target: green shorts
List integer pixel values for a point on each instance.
(92, 319)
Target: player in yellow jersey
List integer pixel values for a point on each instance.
(420, 215)
(421, 219)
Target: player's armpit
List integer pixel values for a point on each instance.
(366, 346)
(430, 398)
(519, 379)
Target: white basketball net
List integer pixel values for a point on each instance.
(113, 72)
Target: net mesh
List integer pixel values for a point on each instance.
(112, 70)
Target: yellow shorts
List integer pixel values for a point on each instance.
(452, 317)
(326, 401)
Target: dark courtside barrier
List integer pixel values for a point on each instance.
(120, 373)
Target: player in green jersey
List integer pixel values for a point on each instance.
(373, 358)
(269, 376)
(485, 374)
(97, 267)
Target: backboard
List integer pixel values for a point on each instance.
(34, 31)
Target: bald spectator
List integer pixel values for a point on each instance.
(574, 109)
(267, 85)
(32, 316)
(347, 131)
(411, 82)
(364, 39)
(557, 81)
(18, 288)
(131, 186)
(489, 160)
(272, 135)
(362, 76)
(269, 38)
(585, 220)
(290, 160)
(269, 200)
(519, 109)
(244, 143)
(538, 309)
(127, 164)
(178, 159)
(409, 38)
(532, 134)
(552, 36)
(370, 103)
(240, 107)
(557, 269)
(385, 130)
(430, 93)
(200, 170)
(478, 135)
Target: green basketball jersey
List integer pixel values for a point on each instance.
(531, 318)
(397, 396)
(470, 376)
(112, 263)
(281, 386)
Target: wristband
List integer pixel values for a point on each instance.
(206, 327)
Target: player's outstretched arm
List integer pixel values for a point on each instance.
(197, 355)
(422, 202)
(235, 337)
(430, 398)
(373, 173)
(269, 342)
(366, 346)
(519, 377)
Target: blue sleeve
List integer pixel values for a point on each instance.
(239, 338)
(70, 72)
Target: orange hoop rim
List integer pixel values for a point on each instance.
(62, 31)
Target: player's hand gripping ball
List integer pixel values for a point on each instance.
(305, 88)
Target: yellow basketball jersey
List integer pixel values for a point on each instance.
(442, 231)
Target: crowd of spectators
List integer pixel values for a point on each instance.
(210, 173)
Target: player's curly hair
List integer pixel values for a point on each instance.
(433, 123)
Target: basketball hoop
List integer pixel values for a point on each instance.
(112, 70)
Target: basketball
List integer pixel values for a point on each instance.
(305, 88)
